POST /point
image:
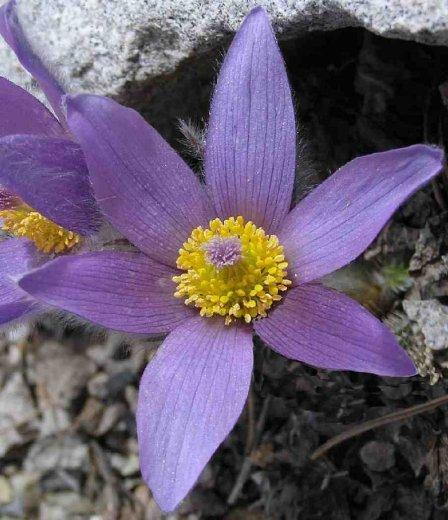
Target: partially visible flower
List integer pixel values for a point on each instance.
(45, 195)
(232, 251)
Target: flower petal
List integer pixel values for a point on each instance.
(143, 187)
(13, 34)
(338, 220)
(250, 147)
(51, 176)
(190, 397)
(327, 329)
(16, 257)
(22, 113)
(121, 290)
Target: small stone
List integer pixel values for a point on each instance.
(16, 411)
(97, 386)
(72, 372)
(50, 453)
(24, 482)
(54, 419)
(112, 414)
(60, 377)
(427, 249)
(90, 415)
(431, 318)
(6, 492)
(14, 355)
(102, 353)
(126, 466)
(26, 488)
(56, 506)
(378, 456)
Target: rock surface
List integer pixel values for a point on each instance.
(118, 47)
(431, 318)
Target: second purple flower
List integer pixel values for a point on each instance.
(46, 201)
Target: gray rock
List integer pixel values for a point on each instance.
(6, 491)
(120, 47)
(378, 456)
(51, 453)
(56, 394)
(17, 412)
(73, 372)
(427, 249)
(97, 386)
(57, 506)
(431, 319)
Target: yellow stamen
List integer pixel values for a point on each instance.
(23, 221)
(244, 290)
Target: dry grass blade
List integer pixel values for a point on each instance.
(400, 415)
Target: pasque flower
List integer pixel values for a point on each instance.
(45, 195)
(221, 261)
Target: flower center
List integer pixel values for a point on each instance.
(223, 251)
(232, 269)
(23, 221)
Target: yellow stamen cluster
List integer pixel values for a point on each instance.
(244, 290)
(23, 221)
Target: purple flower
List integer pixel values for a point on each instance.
(45, 195)
(221, 261)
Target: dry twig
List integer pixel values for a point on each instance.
(358, 429)
(247, 464)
